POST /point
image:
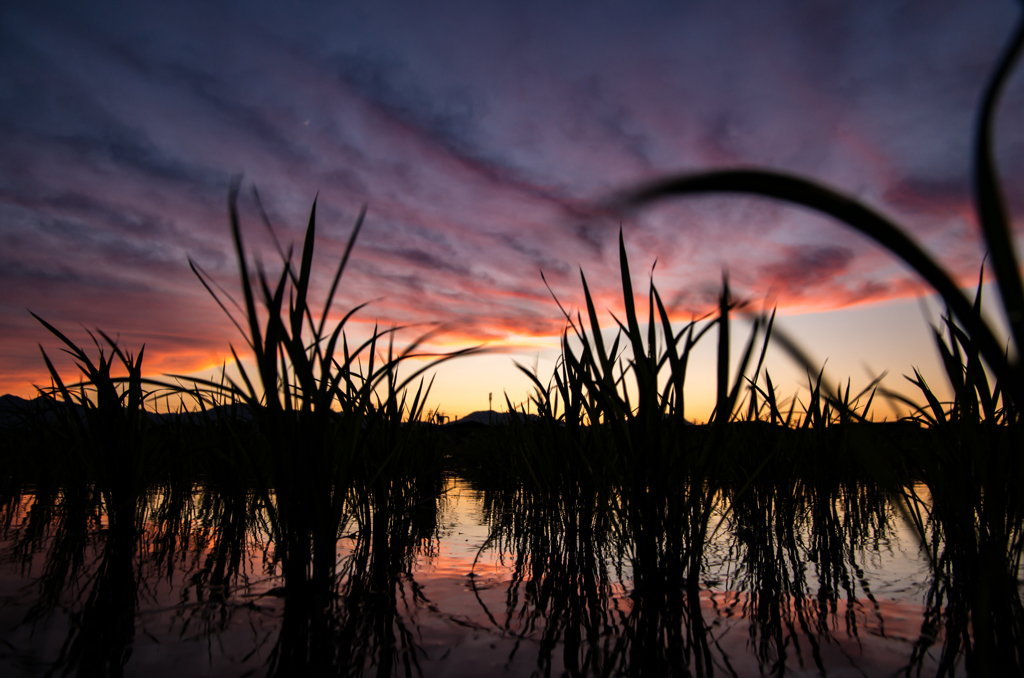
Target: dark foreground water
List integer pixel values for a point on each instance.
(476, 594)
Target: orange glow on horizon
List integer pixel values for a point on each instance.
(464, 384)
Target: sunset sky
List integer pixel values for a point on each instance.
(481, 136)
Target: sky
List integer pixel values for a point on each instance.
(482, 137)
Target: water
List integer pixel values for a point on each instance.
(472, 597)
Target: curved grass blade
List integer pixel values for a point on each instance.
(801, 191)
(988, 196)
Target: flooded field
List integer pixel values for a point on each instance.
(476, 587)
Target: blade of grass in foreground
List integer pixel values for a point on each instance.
(988, 196)
(808, 193)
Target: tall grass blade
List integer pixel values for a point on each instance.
(722, 390)
(988, 195)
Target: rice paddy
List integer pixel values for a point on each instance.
(305, 518)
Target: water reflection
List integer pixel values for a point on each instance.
(203, 564)
(791, 571)
(434, 575)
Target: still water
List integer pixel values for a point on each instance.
(470, 596)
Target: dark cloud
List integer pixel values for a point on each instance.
(592, 237)
(383, 80)
(537, 257)
(429, 261)
(873, 290)
(930, 197)
(806, 267)
(66, 113)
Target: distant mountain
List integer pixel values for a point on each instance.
(489, 417)
(16, 411)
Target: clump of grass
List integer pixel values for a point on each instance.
(610, 478)
(321, 438)
(337, 430)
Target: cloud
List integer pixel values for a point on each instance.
(803, 269)
(388, 84)
(934, 199)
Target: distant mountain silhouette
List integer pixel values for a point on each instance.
(16, 411)
(489, 417)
